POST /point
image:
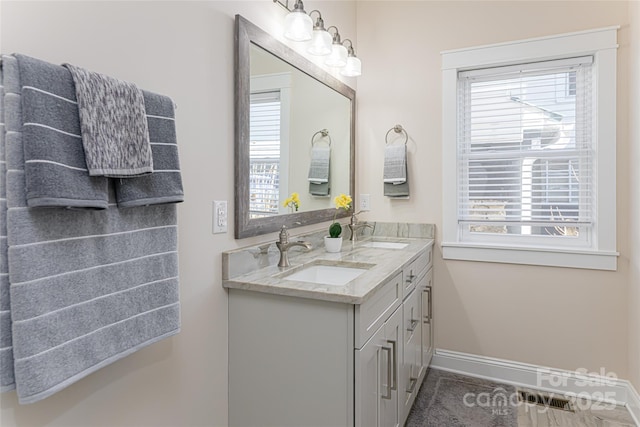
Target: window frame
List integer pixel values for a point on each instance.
(602, 45)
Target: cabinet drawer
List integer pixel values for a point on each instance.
(414, 270)
(373, 313)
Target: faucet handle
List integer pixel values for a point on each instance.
(284, 235)
(354, 219)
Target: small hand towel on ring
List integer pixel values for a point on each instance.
(114, 127)
(395, 164)
(319, 167)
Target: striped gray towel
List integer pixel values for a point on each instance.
(88, 287)
(7, 381)
(55, 166)
(164, 185)
(115, 135)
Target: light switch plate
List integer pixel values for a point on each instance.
(219, 216)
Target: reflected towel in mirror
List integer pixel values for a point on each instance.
(319, 171)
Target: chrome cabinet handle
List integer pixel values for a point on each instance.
(388, 395)
(411, 277)
(395, 365)
(427, 316)
(430, 303)
(412, 385)
(414, 325)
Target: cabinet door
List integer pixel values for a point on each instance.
(389, 408)
(377, 376)
(412, 351)
(370, 362)
(427, 319)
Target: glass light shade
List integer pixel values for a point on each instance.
(337, 57)
(298, 26)
(353, 67)
(320, 43)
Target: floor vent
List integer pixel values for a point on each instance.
(546, 401)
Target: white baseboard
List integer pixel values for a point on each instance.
(595, 387)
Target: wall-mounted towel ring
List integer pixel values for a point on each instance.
(397, 129)
(324, 134)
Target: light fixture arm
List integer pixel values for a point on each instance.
(284, 4)
(350, 49)
(319, 24)
(297, 7)
(336, 36)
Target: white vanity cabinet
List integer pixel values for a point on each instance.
(310, 362)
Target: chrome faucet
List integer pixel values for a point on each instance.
(284, 244)
(354, 226)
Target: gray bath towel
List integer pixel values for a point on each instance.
(113, 123)
(400, 190)
(55, 167)
(395, 164)
(87, 287)
(6, 347)
(320, 190)
(164, 185)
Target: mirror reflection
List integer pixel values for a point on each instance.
(299, 136)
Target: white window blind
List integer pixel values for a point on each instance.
(264, 153)
(526, 151)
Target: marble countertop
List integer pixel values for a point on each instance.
(387, 263)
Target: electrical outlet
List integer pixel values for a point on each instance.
(219, 216)
(365, 203)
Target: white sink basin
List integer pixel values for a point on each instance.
(385, 245)
(326, 274)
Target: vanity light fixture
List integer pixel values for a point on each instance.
(338, 55)
(320, 39)
(297, 24)
(353, 67)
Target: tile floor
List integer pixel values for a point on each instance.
(451, 400)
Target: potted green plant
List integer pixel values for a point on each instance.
(333, 242)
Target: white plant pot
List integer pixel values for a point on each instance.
(332, 244)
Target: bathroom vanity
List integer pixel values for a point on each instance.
(334, 340)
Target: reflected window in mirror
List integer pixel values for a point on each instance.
(269, 144)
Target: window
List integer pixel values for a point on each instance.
(529, 150)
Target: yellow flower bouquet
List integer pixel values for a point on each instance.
(292, 202)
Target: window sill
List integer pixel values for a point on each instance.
(570, 258)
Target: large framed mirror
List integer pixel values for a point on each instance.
(294, 133)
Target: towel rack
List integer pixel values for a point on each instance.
(397, 129)
(324, 134)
